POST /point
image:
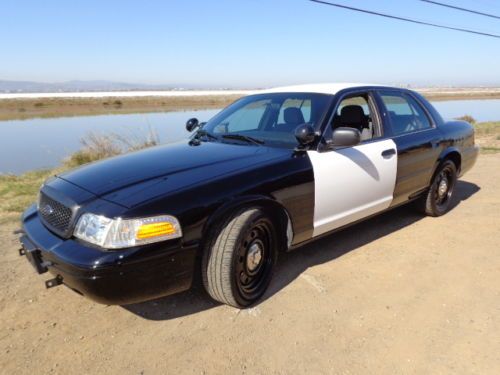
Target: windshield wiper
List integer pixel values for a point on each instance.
(246, 138)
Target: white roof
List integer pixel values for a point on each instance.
(320, 88)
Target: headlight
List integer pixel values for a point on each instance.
(120, 233)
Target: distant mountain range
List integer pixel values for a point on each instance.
(78, 86)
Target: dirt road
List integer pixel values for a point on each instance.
(398, 294)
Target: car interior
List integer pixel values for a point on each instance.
(405, 114)
(275, 120)
(292, 117)
(401, 123)
(354, 112)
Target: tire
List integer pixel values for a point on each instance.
(239, 260)
(437, 201)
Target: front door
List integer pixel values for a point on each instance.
(354, 182)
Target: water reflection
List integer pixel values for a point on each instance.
(42, 143)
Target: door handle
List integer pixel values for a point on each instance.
(389, 152)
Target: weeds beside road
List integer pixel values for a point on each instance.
(488, 136)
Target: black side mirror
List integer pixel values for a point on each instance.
(305, 134)
(345, 137)
(192, 124)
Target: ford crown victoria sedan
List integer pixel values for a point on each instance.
(269, 173)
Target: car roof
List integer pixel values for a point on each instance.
(319, 88)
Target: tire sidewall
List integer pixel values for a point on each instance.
(438, 210)
(212, 236)
(257, 216)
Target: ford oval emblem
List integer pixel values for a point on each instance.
(48, 210)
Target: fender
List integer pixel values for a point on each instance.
(253, 200)
(452, 153)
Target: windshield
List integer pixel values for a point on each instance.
(268, 119)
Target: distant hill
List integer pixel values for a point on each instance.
(77, 86)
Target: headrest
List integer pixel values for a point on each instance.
(352, 115)
(293, 115)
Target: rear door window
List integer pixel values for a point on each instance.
(405, 113)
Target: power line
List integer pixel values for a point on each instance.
(462, 9)
(404, 19)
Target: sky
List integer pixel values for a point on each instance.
(246, 43)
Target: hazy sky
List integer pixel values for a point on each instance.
(245, 43)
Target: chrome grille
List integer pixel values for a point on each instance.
(54, 213)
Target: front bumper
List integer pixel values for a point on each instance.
(109, 277)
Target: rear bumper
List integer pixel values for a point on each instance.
(109, 277)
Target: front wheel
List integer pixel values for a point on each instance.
(437, 201)
(239, 260)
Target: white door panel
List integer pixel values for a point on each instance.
(352, 183)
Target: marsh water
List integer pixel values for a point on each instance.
(42, 143)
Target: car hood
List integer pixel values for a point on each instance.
(133, 178)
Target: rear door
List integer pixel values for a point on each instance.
(417, 139)
(353, 182)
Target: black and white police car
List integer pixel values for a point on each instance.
(269, 173)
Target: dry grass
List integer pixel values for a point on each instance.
(488, 136)
(18, 192)
(441, 96)
(12, 109)
(96, 146)
(468, 118)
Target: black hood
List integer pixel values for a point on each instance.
(175, 166)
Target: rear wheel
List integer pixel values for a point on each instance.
(437, 201)
(238, 262)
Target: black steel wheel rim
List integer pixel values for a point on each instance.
(254, 260)
(444, 187)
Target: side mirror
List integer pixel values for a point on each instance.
(345, 137)
(305, 134)
(192, 124)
